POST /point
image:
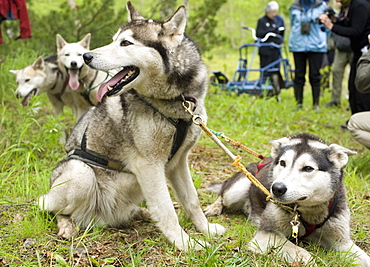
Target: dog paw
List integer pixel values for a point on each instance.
(214, 209)
(191, 244)
(66, 228)
(215, 229)
(305, 260)
(142, 214)
(300, 257)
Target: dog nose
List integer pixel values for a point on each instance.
(279, 189)
(87, 58)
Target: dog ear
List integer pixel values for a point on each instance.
(276, 144)
(133, 14)
(85, 42)
(15, 72)
(339, 154)
(60, 42)
(38, 64)
(174, 27)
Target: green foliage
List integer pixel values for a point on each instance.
(203, 22)
(101, 18)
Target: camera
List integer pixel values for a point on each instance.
(329, 11)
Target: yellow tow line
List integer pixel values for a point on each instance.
(197, 120)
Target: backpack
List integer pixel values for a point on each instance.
(342, 43)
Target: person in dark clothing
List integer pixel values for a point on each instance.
(271, 23)
(353, 22)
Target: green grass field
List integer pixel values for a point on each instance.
(30, 148)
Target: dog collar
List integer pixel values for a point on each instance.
(310, 228)
(90, 88)
(261, 165)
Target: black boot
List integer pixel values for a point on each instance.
(298, 94)
(316, 97)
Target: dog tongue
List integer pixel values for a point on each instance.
(73, 80)
(26, 100)
(103, 89)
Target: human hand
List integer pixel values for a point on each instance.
(368, 37)
(325, 20)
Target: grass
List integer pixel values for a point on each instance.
(29, 150)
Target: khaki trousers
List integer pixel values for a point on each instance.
(359, 127)
(341, 60)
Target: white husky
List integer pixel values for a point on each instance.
(304, 173)
(83, 80)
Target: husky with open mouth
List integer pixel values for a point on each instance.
(124, 151)
(44, 76)
(305, 173)
(82, 80)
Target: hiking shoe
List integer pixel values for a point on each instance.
(332, 104)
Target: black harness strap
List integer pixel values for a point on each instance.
(181, 125)
(90, 157)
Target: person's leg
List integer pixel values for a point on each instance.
(314, 61)
(359, 127)
(353, 94)
(359, 102)
(299, 76)
(339, 65)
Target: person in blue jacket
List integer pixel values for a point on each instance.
(308, 42)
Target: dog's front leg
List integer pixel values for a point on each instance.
(151, 177)
(264, 242)
(347, 245)
(182, 183)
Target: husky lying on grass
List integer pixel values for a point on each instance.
(123, 151)
(302, 171)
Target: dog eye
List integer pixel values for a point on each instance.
(282, 163)
(67, 55)
(307, 169)
(26, 80)
(125, 43)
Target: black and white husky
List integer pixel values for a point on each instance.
(124, 151)
(302, 172)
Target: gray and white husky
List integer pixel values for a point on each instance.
(127, 148)
(305, 172)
